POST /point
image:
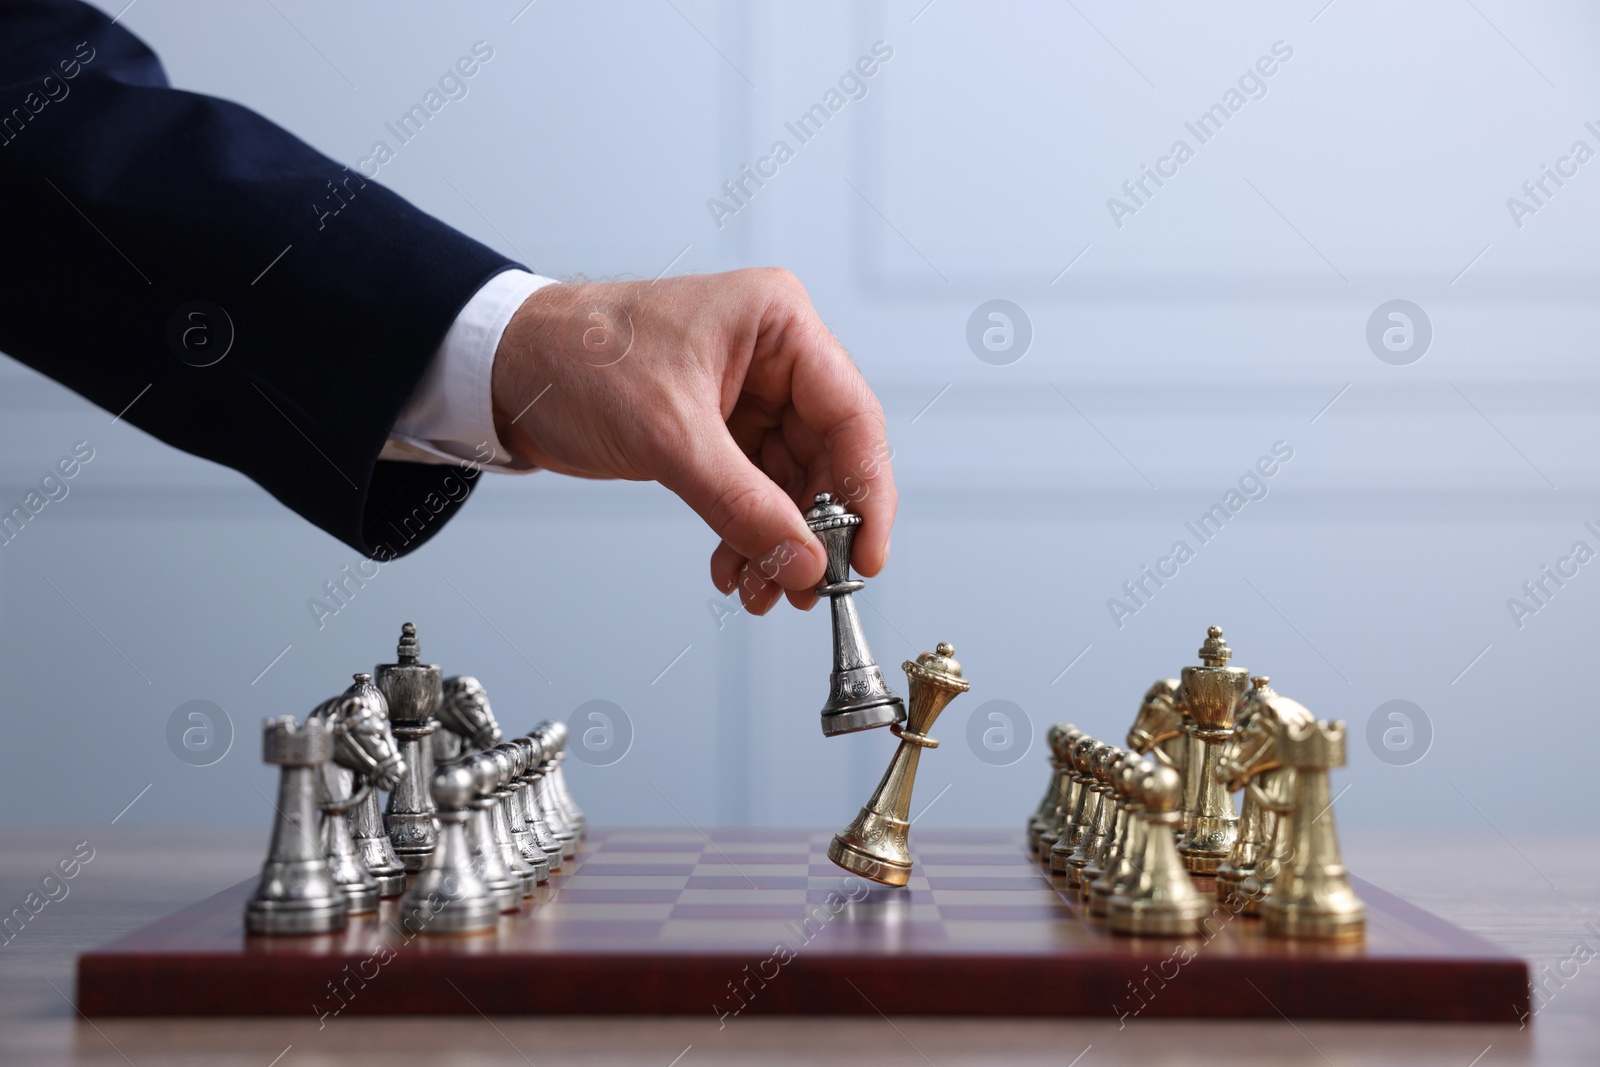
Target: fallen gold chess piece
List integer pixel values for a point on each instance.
(876, 845)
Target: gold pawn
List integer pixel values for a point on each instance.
(1050, 803)
(1130, 769)
(1162, 901)
(1062, 738)
(1098, 810)
(1076, 824)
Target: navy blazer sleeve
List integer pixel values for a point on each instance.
(126, 200)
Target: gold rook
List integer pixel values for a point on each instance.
(1312, 897)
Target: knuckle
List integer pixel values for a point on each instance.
(781, 276)
(780, 282)
(734, 506)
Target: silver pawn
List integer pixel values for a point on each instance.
(544, 794)
(366, 820)
(511, 806)
(503, 883)
(297, 893)
(557, 731)
(449, 896)
(412, 689)
(467, 723)
(532, 817)
(507, 757)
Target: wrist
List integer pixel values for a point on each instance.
(519, 376)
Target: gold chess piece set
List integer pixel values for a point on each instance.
(1149, 836)
(876, 845)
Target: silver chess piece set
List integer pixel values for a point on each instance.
(876, 845)
(472, 826)
(1149, 836)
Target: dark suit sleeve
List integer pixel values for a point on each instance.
(125, 200)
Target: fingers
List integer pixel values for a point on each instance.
(809, 453)
(725, 564)
(804, 599)
(861, 470)
(731, 571)
(756, 593)
(779, 461)
(728, 570)
(753, 516)
(833, 403)
(808, 418)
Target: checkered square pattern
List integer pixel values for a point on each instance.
(747, 890)
(679, 922)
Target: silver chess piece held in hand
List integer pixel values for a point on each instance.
(858, 696)
(413, 690)
(297, 893)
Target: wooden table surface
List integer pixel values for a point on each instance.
(1532, 895)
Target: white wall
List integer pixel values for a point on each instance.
(1221, 318)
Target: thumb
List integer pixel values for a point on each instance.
(748, 511)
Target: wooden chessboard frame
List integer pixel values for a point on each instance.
(751, 921)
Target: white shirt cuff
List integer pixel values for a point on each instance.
(450, 418)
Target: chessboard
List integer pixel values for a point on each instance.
(758, 921)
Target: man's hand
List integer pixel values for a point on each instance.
(725, 388)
